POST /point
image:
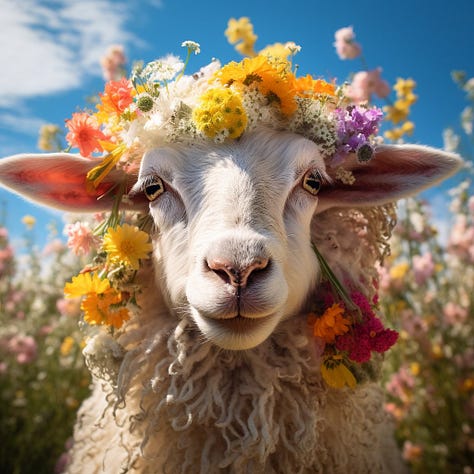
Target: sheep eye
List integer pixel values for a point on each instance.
(153, 188)
(312, 182)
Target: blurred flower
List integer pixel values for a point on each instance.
(411, 452)
(29, 221)
(49, 138)
(366, 83)
(66, 345)
(346, 47)
(241, 32)
(113, 63)
(423, 267)
(24, 348)
(454, 313)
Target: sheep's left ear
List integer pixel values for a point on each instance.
(394, 172)
(58, 180)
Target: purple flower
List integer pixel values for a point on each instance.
(354, 127)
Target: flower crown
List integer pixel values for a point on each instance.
(160, 104)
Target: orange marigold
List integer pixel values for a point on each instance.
(331, 324)
(309, 87)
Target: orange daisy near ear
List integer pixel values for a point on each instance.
(84, 133)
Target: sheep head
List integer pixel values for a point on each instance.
(232, 241)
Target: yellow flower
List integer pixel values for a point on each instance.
(331, 324)
(86, 283)
(29, 221)
(399, 271)
(66, 346)
(220, 109)
(336, 374)
(273, 80)
(277, 50)
(127, 245)
(241, 30)
(404, 87)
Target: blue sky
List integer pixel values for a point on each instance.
(50, 52)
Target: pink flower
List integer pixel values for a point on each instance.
(346, 47)
(423, 267)
(53, 247)
(454, 314)
(81, 239)
(461, 240)
(401, 384)
(69, 307)
(112, 63)
(366, 83)
(24, 348)
(412, 452)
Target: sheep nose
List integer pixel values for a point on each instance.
(236, 275)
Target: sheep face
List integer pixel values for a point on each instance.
(233, 244)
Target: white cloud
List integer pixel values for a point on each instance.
(51, 46)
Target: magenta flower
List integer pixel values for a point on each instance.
(366, 337)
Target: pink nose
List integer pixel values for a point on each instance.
(233, 274)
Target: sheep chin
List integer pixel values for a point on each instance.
(238, 333)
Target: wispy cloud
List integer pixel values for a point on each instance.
(51, 46)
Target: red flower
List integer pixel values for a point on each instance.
(84, 133)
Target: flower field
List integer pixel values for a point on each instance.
(426, 288)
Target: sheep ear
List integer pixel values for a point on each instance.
(396, 171)
(58, 180)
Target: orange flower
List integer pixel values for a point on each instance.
(309, 87)
(116, 98)
(331, 324)
(272, 80)
(84, 133)
(104, 308)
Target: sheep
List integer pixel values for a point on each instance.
(271, 202)
(218, 371)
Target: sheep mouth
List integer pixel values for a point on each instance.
(237, 332)
(240, 324)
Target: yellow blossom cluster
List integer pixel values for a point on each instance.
(241, 32)
(103, 302)
(220, 111)
(398, 112)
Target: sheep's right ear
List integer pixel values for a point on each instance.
(58, 180)
(395, 172)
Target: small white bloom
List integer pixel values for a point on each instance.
(192, 46)
(163, 70)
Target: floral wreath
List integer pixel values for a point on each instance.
(159, 104)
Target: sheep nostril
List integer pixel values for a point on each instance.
(235, 275)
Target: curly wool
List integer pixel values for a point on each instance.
(180, 404)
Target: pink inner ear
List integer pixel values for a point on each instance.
(59, 180)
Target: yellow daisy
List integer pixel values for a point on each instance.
(127, 245)
(86, 283)
(336, 374)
